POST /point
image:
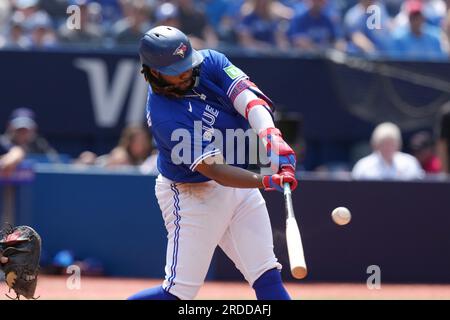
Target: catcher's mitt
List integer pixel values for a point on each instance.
(22, 246)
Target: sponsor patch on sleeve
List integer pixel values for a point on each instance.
(233, 72)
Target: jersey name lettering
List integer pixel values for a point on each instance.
(209, 118)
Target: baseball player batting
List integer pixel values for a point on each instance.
(206, 201)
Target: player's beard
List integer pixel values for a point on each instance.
(177, 90)
(160, 86)
(182, 88)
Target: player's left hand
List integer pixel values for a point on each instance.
(279, 152)
(277, 181)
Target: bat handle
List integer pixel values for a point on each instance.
(287, 188)
(288, 200)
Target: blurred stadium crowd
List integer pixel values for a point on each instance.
(415, 29)
(393, 28)
(135, 148)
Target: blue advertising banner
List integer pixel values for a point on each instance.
(400, 228)
(83, 99)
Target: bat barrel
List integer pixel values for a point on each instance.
(293, 238)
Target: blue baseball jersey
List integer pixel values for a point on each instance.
(185, 128)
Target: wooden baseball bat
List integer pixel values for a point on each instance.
(293, 238)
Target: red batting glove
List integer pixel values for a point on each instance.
(277, 181)
(279, 152)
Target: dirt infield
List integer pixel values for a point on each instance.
(55, 288)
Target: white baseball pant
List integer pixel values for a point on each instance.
(200, 216)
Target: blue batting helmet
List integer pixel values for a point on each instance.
(168, 50)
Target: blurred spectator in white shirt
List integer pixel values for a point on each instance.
(386, 162)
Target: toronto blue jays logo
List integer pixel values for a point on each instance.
(181, 50)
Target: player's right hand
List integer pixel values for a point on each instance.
(277, 181)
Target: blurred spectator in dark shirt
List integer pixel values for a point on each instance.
(130, 29)
(22, 140)
(90, 31)
(313, 30)
(444, 138)
(423, 148)
(368, 31)
(262, 25)
(418, 40)
(194, 24)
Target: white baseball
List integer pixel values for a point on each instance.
(341, 216)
